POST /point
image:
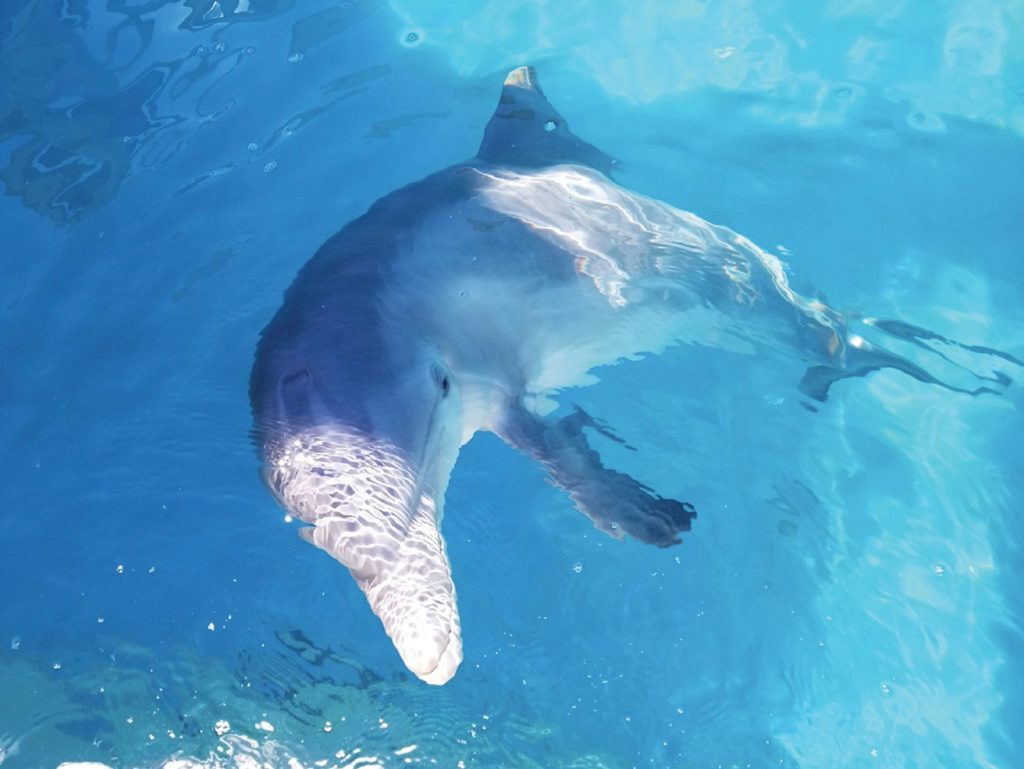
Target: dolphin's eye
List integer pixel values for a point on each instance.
(441, 377)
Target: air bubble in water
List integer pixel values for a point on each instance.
(412, 37)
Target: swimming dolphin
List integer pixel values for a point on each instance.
(461, 303)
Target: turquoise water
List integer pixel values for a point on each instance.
(849, 595)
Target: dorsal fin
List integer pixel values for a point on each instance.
(526, 131)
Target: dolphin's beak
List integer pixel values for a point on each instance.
(408, 582)
(369, 512)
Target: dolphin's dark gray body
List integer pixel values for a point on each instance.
(460, 303)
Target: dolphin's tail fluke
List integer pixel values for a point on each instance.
(958, 367)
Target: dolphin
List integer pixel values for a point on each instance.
(463, 303)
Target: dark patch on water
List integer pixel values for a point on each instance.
(383, 129)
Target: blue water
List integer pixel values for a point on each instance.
(849, 595)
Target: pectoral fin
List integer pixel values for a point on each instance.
(617, 503)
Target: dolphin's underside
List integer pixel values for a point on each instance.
(462, 303)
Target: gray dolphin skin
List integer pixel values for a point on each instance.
(465, 301)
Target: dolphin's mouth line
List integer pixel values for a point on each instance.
(427, 455)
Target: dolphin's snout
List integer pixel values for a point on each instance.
(414, 596)
(369, 513)
(428, 643)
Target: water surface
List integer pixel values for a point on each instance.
(848, 596)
